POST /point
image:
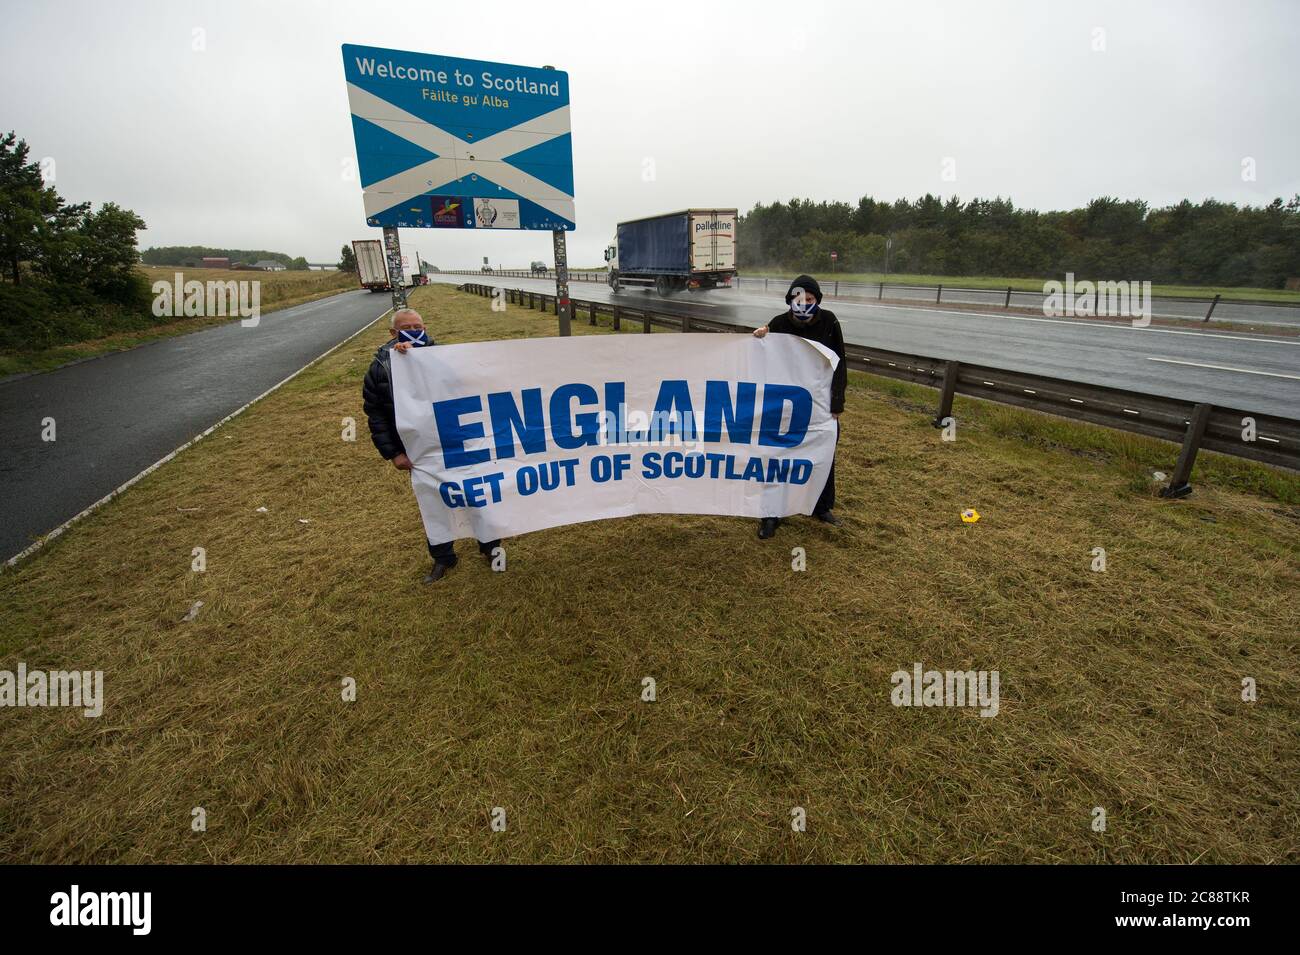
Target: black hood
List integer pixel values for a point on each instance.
(808, 284)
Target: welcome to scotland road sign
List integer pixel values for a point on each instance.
(463, 144)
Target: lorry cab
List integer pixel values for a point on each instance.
(611, 259)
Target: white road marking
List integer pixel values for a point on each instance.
(1244, 371)
(1048, 321)
(1078, 324)
(45, 539)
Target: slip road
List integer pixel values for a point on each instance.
(116, 415)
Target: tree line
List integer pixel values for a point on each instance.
(1206, 243)
(192, 256)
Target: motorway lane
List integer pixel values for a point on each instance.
(118, 414)
(1235, 312)
(1256, 317)
(1254, 372)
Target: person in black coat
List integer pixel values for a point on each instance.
(408, 332)
(806, 318)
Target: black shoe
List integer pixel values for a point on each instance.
(767, 527)
(438, 572)
(828, 517)
(487, 550)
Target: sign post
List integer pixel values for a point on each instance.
(396, 274)
(562, 307)
(450, 143)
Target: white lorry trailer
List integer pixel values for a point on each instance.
(371, 268)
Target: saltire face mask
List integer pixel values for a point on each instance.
(418, 339)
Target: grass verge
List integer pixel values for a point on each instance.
(1119, 689)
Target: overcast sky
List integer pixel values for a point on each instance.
(247, 143)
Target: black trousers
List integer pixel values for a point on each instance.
(826, 502)
(445, 553)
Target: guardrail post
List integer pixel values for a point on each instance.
(1211, 311)
(938, 295)
(1007, 303)
(1180, 484)
(686, 323)
(764, 283)
(618, 313)
(946, 395)
(617, 324)
(837, 288)
(881, 293)
(592, 313)
(645, 322)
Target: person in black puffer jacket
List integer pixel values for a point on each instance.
(408, 331)
(806, 318)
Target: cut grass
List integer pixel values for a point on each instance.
(523, 690)
(279, 290)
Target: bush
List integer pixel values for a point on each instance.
(39, 315)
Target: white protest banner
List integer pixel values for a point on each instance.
(514, 436)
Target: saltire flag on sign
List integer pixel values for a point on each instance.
(444, 142)
(509, 437)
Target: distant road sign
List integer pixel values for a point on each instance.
(462, 144)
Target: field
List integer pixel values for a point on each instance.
(1120, 690)
(278, 290)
